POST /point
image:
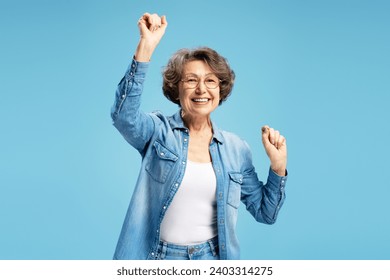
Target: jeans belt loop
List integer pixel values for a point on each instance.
(212, 247)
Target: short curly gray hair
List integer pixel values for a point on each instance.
(172, 73)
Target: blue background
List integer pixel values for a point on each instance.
(316, 70)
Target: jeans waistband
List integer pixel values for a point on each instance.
(189, 251)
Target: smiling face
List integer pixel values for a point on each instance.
(199, 101)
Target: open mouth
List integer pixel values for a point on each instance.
(200, 100)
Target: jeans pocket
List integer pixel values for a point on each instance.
(160, 162)
(234, 193)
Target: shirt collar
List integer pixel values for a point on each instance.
(177, 123)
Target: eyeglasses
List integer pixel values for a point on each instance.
(210, 81)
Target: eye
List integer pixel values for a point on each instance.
(211, 80)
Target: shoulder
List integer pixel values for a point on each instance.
(234, 151)
(232, 141)
(166, 124)
(159, 117)
(230, 136)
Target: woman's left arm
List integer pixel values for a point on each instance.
(264, 201)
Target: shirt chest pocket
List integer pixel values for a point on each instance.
(234, 193)
(160, 162)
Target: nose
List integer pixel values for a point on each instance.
(201, 88)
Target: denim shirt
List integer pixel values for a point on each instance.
(163, 144)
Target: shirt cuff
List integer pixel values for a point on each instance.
(277, 181)
(137, 69)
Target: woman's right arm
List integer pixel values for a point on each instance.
(135, 126)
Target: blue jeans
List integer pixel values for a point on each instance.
(204, 251)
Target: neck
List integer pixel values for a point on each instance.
(198, 124)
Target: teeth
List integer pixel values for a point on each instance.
(200, 99)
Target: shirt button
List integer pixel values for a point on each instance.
(183, 162)
(161, 154)
(131, 73)
(185, 139)
(164, 207)
(176, 185)
(152, 254)
(123, 96)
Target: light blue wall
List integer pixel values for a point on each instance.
(316, 70)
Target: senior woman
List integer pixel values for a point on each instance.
(193, 175)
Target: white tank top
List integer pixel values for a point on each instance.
(191, 218)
